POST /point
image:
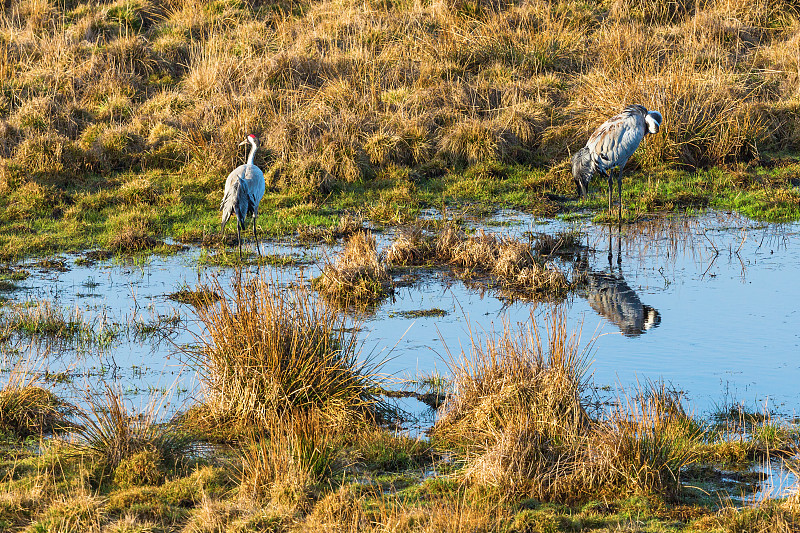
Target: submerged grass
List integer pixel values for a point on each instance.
(47, 321)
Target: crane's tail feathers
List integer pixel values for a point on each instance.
(228, 205)
(582, 170)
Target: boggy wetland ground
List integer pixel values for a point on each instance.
(392, 132)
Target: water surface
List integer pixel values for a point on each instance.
(708, 304)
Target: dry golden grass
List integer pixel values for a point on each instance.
(267, 352)
(357, 276)
(284, 465)
(518, 410)
(411, 246)
(519, 421)
(29, 410)
(339, 89)
(134, 447)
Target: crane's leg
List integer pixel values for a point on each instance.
(239, 237)
(619, 192)
(610, 190)
(255, 233)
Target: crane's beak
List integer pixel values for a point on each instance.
(243, 142)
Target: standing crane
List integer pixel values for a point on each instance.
(244, 189)
(611, 145)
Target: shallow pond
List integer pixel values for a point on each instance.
(708, 304)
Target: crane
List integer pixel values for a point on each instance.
(244, 189)
(611, 145)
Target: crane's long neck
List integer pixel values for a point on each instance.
(252, 155)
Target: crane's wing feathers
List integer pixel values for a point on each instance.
(244, 189)
(614, 141)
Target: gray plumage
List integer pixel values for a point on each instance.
(612, 298)
(244, 189)
(611, 145)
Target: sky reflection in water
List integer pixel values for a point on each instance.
(709, 304)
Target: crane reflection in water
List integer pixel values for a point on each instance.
(612, 298)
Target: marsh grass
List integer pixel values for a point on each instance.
(519, 421)
(738, 436)
(52, 323)
(199, 296)
(506, 262)
(117, 122)
(268, 351)
(133, 447)
(226, 258)
(349, 224)
(560, 244)
(286, 464)
(26, 409)
(645, 441)
(9, 278)
(357, 277)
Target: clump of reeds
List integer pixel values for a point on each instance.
(519, 420)
(285, 464)
(508, 261)
(267, 352)
(739, 436)
(642, 444)
(357, 276)
(521, 271)
(411, 246)
(517, 411)
(199, 296)
(28, 410)
(138, 444)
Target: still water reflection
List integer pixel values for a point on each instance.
(612, 298)
(723, 291)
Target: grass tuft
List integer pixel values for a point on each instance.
(28, 410)
(136, 444)
(357, 277)
(268, 352)
(519, 421)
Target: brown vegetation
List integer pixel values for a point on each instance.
(508, 261)
(29, 410)
(357, 276)
(360, 276)
(338, 89)
(519, 418)
(268, 352)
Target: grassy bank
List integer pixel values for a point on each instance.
(120, 120)
(292, 434)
